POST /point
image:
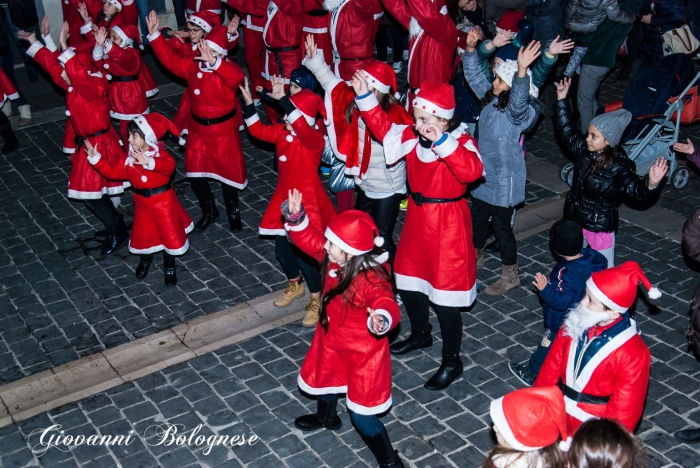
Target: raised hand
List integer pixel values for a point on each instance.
(563, 88)
(27, 36)
(377, 321)
(245, 91)
(429, 131)
(45, 27)
(277, 87)
(205, 53)
(233, 25)
(473, 37)
(540, 281)
(294, 201)
(83, 12)
(359, 83)
(310, 47)
(152, 22)
(140, 158)
(527, 56)
(687, 148)
(101, 36)
(501, 38)
(89, 149)
(64, 35)
(657, 172)
(557, 47)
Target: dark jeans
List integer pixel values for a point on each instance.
(384, 212)
(381, 42)
(22, 45)
(143, 10)
(481, 212)
(7, 63)
(180, 14)
(104, 209)
(5, 125)
(537, 359)
(366, 425)
(202, 190)
(417, 307)
(292, 259)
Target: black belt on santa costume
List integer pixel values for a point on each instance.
(580, 397)
(356, 59)
(80, 139)
(151, 192)
(216, 120)
(124, 79)
(317, 12)
(276, 52)
(419, 199)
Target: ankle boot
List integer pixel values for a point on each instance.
(170, 275)
(449, 370)
(116, 238)
(234, 215)
(381, 448)
(509, 280)
(142, 268)
(416, 340)
(11, 141)
(326, 416)
(209, 215)
(479, 259)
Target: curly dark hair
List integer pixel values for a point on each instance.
(500, 104)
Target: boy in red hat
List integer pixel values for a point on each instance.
(349, 352)
(298, 150)
(160, 221)
(598, 358)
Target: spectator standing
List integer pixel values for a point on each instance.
(663, 16)
(7, 63)
(27, 26)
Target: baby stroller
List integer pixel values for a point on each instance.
(653, 129)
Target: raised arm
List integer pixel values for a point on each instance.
(519, 112)
(383, 129)
(474, 74)
(439, 27)
(399, 10)
(114, 170)
(318, 66)
(569, 134)
(257, 129)
(177, 64)
(303, 235)
(48, 62)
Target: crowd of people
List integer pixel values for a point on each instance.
(451, 147)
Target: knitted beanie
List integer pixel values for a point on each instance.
(304, 79)
(612, 125)
(507, 71)
(507, 52)
(567, 238)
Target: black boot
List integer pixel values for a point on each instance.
(234, 215)
(689, 436)
(493, 246)
(11, 141)
(416, 340)
(326, 416)
(142, 268)
(170, 275)
(117, 236)
(209, 215)
(381, 448)
(449, 370)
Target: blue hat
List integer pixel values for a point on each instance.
(304, 79)
(507, 52)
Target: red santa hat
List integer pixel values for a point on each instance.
(381, 77)
(616, 287)
(309, 104)
(154, 127)
(205, 19)
(116, 3)
(354, 232)
(128, 33)
(437, 99)
(509, 21)
(217, 39)
(531, 418)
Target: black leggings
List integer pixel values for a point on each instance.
(384, 212)
(202, 190)
(450, 319)
(292, 259)
(167, 258)
(382, 42)
(104, 209)
(481, 212)
(5, 124)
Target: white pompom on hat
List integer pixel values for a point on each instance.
(616, 287)
(354, 232)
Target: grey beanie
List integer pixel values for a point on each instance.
(612, 125)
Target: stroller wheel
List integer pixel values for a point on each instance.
(567, 174)
(680, 177)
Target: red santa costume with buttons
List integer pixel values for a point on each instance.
(75, 21)
(298, 153)
(603, 370)
(432, 41)
(160, 221)
(88, 112)
(316, 25)
(195, 6)
(253, 19)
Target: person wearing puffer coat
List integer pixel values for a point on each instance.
(663, 16)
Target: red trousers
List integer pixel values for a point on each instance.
(254, 47)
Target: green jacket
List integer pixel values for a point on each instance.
(539, 72)
(606, 39)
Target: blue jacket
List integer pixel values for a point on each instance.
(548, 18)
(567, 286)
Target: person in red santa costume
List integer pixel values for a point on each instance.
(195, 6)
(598, 358)
(75, 21)
(349, 352)
(214, 144)
(431, 44)
(435, 259)
(284, 21)
(88, 111)
(381, 186)
(316, 27)
(121, 63)
(7, 91)
(160, 221)
(298, 148)
(253, 18)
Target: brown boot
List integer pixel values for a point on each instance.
(313, 311)
(479, 258)
(509, 280)
(292, 291)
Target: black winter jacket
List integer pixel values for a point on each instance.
(667, 15)
(595, 196)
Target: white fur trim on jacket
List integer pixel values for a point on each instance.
(394, 149)
(153, 36)
(366, 410)
(87, 27)
(437, 296)
(252, 119)
(271, 232)
(94, 159)
(447, 147)
(158, 248)
(78, 195)
(34, 48)
(226, 181)
(151, 164)
(367, 103)
(68, 150)
(50, 44)
(118, 116)
(319, 391)
(297, 227)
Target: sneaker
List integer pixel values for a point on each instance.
(292, 291)
(397, 66)
(25, 115)
(313, 311)
(403, 206)
(521, 372)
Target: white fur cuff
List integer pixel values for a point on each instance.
(368, 103)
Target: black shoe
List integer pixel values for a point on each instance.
(381, 448)
(449, 370)
(170, 275)
(11, 141)
(689, 436)
(117, 236)
(101, 234)
(416, 340)
(209, 215)
(234, 215)
(521, 372)
(142, 268)
(326, 416)
(493, 246)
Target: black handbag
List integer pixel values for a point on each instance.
(23, 13)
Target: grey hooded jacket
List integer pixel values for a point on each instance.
(584, 16)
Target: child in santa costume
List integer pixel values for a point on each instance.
(214, 143)
(530, 426)
(381, 185)
(253, 20)
(435, 260)
(598, 358)
(121, 62)
(75, 21)
(7, 91)
(349, 352)
(88, 111)
(160, 221)
(298, 149)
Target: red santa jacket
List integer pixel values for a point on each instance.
(618, 370)
(193, 6)
(7, 89)
(129, 13)
(283, 24)
(128, 98)
(75, 21)
(252, 12)
(316, 25)
(432, 39)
